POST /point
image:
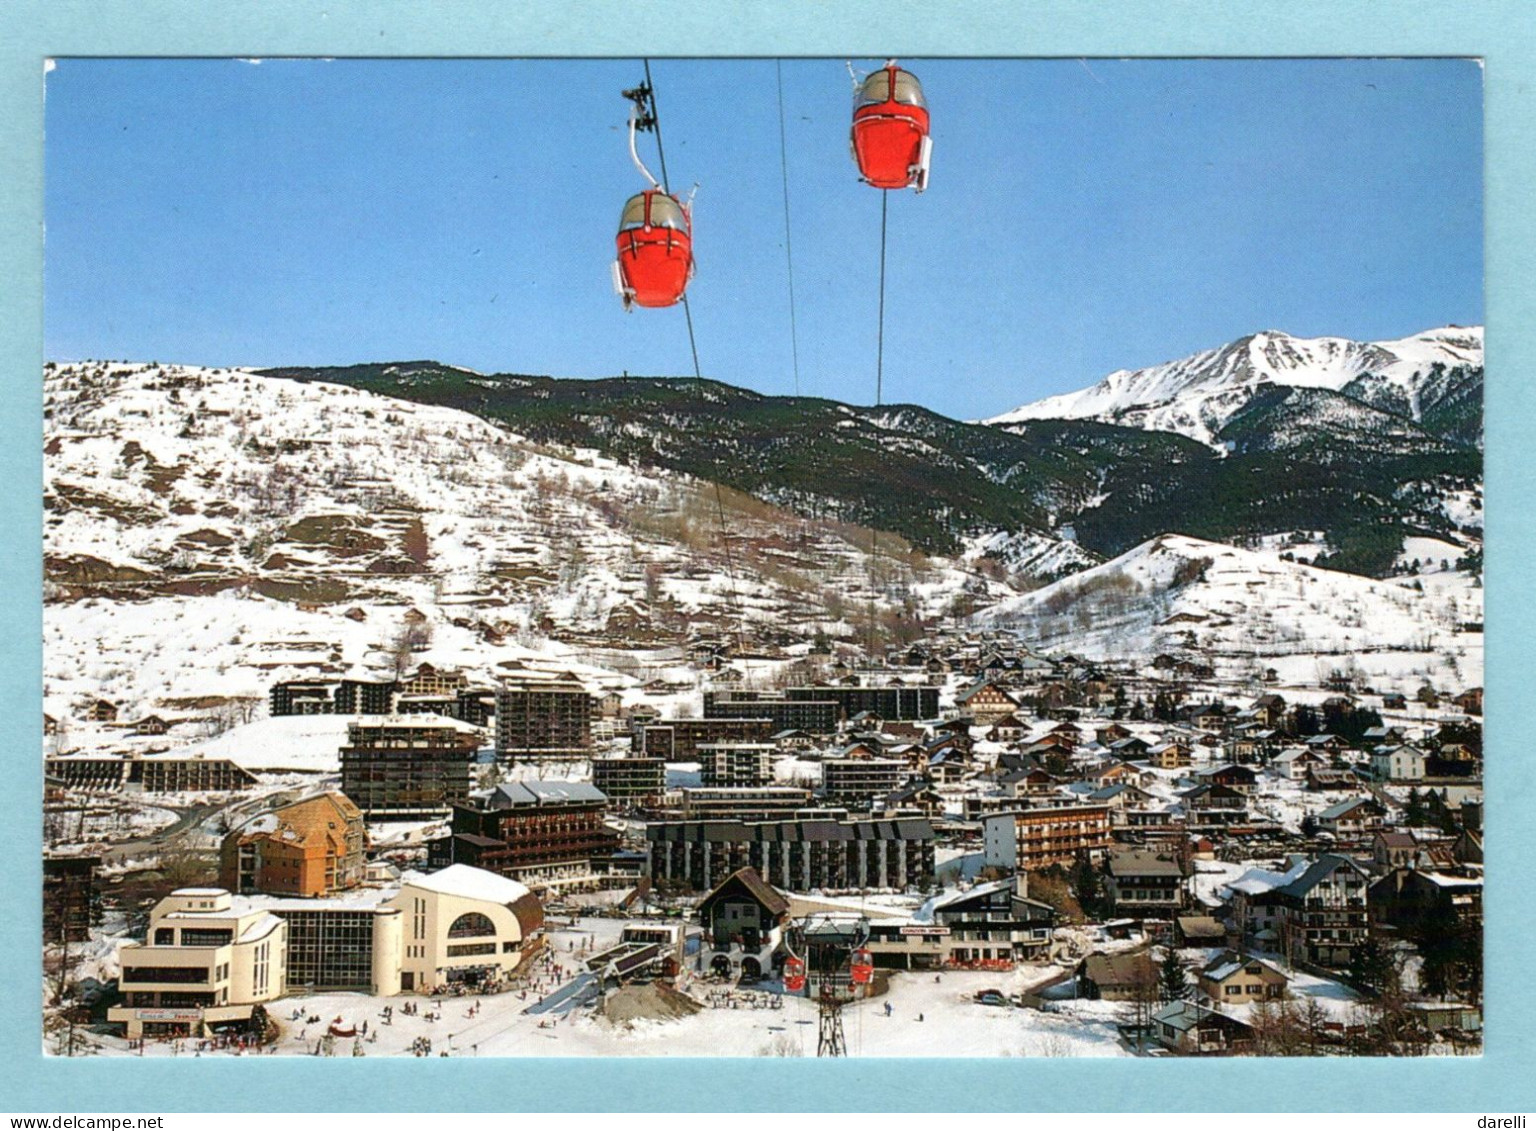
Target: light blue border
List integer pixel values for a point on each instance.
(1500, 32)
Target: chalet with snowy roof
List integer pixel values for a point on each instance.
(1170, 756)
(1403, 763)
(150, 725)
(1394, 701)
(1255, 904)
(1115, 773)
(1239, 778)
(792, 738)
(1210, 717)
(1111, 733)
(986, 702)
(1199, 931)
(1452, 760)
(1293, 763)
(1327, 779)
(1356, 818)
(101, 711)
(1212, 806)
(1323, 914)
(1144, 883)
(1325, 743)
(1249, 744)
(993, 923)
(1455, 804)
(1027, 782)
(1120, 797)
(917, 796)
(1269, 709)
(1009, 728)
(1189, 1029)
(1470, 701)
(1234, 978)
(1129, 749)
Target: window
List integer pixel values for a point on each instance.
(164, 974)
(909, 91)
(206, 936)
(471, 925)
(165, 936)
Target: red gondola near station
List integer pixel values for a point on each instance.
(890, 130)
(655, 250)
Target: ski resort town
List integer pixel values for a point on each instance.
(1024, 853)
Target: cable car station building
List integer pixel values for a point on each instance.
(211, 957)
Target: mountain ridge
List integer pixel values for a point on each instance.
(1196, 395)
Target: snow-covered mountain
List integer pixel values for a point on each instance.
(208, 532)
(1195, 396)
(1248, 609)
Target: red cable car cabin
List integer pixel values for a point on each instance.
(655, 250)
(890, 130)
(794, 975)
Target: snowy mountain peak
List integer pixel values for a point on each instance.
(1198, 394)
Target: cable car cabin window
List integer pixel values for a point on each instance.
(909, 92)
(665, 213)
(875, 89)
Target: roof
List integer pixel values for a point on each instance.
(1144, 862)
(468, 883)
(1229, 962)
(1343, 807)
(1257, 881)
(1118, 969)
(511, 794)
(1186, 1015)
(757, 887)
(1201, 926)
(310, 820)
(1321, 868)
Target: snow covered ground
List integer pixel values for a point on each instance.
(951, 1024)
(1249, 609)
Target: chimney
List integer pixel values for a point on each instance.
(1021, 885)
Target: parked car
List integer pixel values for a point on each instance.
(990, 997)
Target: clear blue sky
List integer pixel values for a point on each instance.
(1082, 216)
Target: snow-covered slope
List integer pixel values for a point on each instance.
(1196, 395)
(208, 532)
(1244, 609)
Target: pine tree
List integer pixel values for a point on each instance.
(1173, 981)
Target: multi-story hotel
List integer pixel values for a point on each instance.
(630, 779)
(545, 833)
(859, 781)
(795, 855)
(1037, 838)
(736, 763)
(678, 740)
(539, 719)
(417, 765)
